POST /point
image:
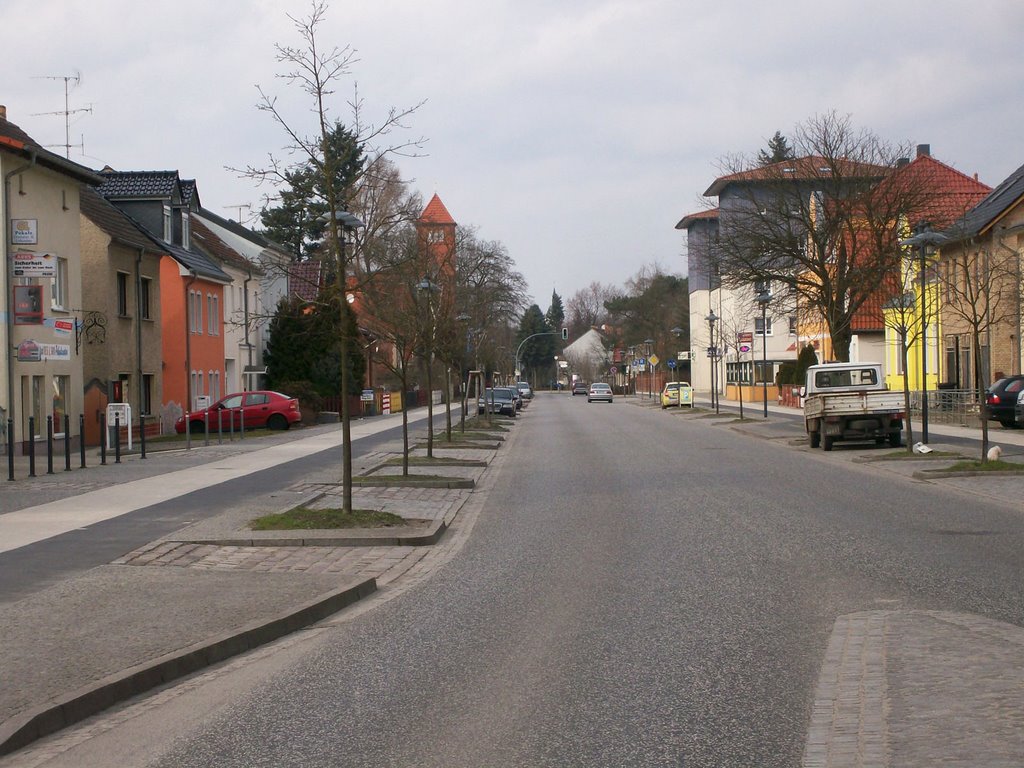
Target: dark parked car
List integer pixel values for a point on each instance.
(498, 400)
(259, 408)
(1001, 398)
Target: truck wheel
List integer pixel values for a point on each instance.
(826, 442)
(815, 438)
(895, 439)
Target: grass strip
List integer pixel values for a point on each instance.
(305, 518)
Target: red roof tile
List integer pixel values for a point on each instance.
(436, 213)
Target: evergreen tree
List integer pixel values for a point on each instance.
(537, 352)
(556, 312)
(304, 346)
(778, 150)
(298, 221)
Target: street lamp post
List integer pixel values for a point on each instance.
(924, 239)
(629, 367)
(763, 298)
(648, 347)
(713, 356)
(428, 288)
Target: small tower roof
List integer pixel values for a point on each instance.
(436, 213)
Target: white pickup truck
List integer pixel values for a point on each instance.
(850, 401)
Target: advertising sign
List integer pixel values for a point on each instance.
(31, 264)
(28, 305)
(24, 231)
(31, 351)
(63, 327)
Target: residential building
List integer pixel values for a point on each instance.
(980, 287)
(192, 287)
(120, 329)
(42, 293)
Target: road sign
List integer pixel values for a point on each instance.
(614, 369)
(671, 364)
(744, 347)
(654, 360)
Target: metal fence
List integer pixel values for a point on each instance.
(960, 407)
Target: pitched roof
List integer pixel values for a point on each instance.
(188, 191)
(809, 168)
(946, 192)
(120, 185)
(13, 139)
(711, 214)
(436, 213)
(113, 221)
(197, 262)
(986, 213)
(305, 279)
(241, 230)
(218, 249)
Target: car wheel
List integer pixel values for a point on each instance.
(815, 438)
(196, 427)
(826, 442)
(277, 421)
(895, 438)
(1008, 423)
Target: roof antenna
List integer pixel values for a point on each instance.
(67, 111)
(239, 206)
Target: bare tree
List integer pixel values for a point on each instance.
(586, 308)
(981, 282)
(316, 70)
(826, 225)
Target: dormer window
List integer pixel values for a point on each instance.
(185, 232)
(167, 223)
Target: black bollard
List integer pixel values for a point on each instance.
(81, 438)
(31, 446)
(10, 449)
(117, 438)
(67, 443)
(142, 435)
(49, 445)
(103, 438)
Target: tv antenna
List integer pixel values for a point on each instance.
(239, 206)
(67, 111)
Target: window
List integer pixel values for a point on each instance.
(763, 328)
(144, 301)
(167, 223)
(185, 235)
(762, 286)
(122, 294)
(195, 310)
(792, 326)
(59, 287)
(213, 314)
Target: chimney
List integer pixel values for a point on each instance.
(3, 112)
(903, 161)
(924, 150)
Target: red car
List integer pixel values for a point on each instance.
(259, 408)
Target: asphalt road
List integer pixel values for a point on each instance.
(637, 590)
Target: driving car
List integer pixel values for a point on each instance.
(497, 400)
(579, 388)
(253, 410)
(677, 393)
(1001, 399)
(599, 391)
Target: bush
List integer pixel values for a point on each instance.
(310, 401)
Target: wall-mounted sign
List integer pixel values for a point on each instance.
(63, 327)
(28, 352)
(28, 305)
(24, 231)
(30, 264)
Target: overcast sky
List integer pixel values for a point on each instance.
(576, 132)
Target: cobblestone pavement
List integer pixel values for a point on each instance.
(917, 689)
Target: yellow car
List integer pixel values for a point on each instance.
(677, 393)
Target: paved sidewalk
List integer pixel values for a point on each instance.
(208, 591)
